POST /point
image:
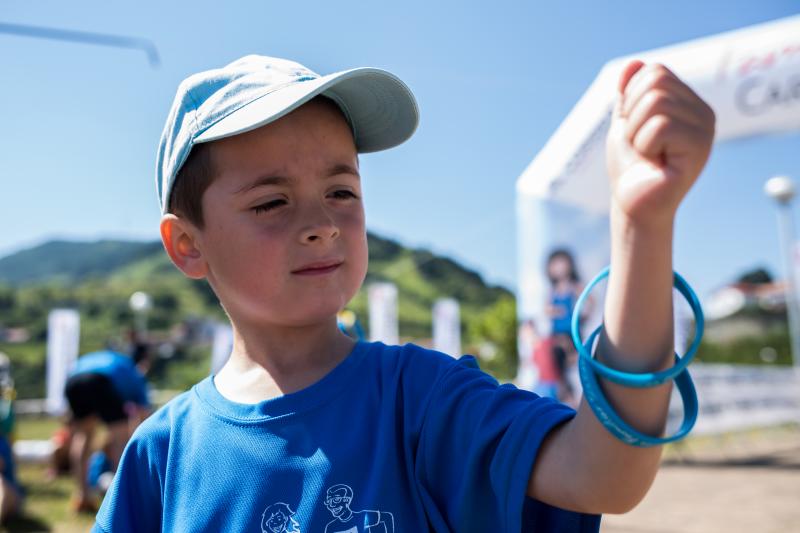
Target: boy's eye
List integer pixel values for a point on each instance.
(268, 206)
(343, 194)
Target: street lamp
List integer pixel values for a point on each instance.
(140, 303)
(781, 189)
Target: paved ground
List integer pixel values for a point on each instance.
(750, 485)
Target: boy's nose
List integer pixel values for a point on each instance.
(320, 232)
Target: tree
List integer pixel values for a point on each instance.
(494, 332)
(756, 277)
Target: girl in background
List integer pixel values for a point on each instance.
(565, 287)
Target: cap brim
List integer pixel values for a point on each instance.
(380, 108)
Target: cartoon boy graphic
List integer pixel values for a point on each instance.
(277, 518)
(337, 500)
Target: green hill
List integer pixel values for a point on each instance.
(69, 261)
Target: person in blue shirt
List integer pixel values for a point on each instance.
(306, 429)
(11, 492)
(104, 387)
(565, 286)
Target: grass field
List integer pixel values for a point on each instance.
(46, 502)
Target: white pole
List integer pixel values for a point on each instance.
(63, 339)
(781, 189)
(221, 347)
(447, 326)
(383, 325)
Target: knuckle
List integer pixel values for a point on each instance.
(660, 71)
(657, 99)
(662, 122)
(663, 78)
(659, 125)
(652, 133)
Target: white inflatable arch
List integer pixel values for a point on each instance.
(751, 77)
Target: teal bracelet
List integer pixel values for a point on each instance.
(645, 379)
(614, 423)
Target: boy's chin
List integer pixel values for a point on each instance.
(318, 316)
(299, 313)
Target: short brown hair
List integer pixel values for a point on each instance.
(191, 182)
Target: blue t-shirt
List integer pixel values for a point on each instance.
(9, 470)
(120, 369)
(395, 438)
(565, 301)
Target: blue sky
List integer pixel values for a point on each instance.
(81, 123)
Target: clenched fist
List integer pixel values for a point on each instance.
(660, 138)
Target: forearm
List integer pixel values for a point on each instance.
(637, 337)
(610, 476)
(638, 318)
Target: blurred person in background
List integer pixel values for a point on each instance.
(61, 441)
(110, 388)
(565, 287)
(11, 494)
(542, 352)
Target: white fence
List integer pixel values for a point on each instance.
(735, 397)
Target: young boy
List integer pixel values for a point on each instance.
(307, 430)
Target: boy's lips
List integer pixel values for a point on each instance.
(318, 267)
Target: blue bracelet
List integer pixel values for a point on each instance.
(614, 423)
(646, 379)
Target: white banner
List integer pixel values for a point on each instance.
(737, 397)
(383, 324)
(447, 327)
(750, 77)
(63, 338)
(221, 347)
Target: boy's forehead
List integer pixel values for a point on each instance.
(316, 137)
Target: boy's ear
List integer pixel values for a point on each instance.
(180, 240)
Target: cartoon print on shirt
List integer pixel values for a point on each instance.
(338, 499)
(277, 518)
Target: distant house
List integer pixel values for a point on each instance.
(744, 309)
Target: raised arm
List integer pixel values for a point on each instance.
(659, 141)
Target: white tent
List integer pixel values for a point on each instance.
(750, 77)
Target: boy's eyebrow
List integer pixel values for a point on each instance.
(342, 168)
(261, 181)
(270, 179)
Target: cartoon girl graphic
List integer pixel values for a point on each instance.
(277, 518)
